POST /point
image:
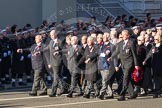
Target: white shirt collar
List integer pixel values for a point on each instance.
(74, 46)
(106, 43)
(157, 45)
(39, 44)
(84, 45)
(125, 41)
(146, 43)
(55, 40)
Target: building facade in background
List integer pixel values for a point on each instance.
(21, 12)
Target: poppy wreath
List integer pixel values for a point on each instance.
(137, 74)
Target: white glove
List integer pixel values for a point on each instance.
(9, 53)
(102, 55)
(22, 58)
(107, 51)
(29, 56)
(4, 54)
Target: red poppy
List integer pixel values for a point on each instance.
(137, 74)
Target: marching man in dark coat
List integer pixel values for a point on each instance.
(74, 55)
(128, 57)
(90, 57)
(37, 60)
(54, 48)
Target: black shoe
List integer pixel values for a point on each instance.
(86, 96)
(101, 97)
(79, 94)
(32, 94)
(155, 96)
(150, 91)
(42, 93)
(69, 95)
(121, 98)
(132, 97)
(53, 95)
(109, 97)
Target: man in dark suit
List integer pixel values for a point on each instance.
(90, 59)
(82, 66)
(46, 41)
(55, 47)
(128, 57)
(74, 55)
(37, 60)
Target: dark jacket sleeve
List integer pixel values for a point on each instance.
(134, 53)
(116, 51)
(94, 55)
(149, 55)
(27, 49)
(115, 58)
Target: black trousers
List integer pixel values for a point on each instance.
(75, 80)
(157, 84)
(18, 69)
(127, 83)
(147, 78)
(6, 64)
(28, 66)
(39, 82)
(119, 78)
(57, 81)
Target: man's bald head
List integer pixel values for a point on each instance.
(125, 34)
(74, 40)
(53, 34)
(84, 39)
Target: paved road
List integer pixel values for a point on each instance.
(21, 99)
